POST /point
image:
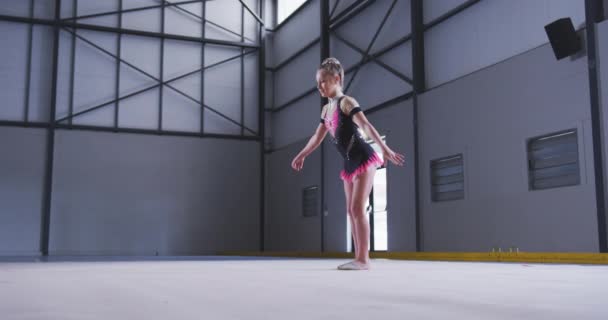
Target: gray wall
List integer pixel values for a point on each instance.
(487, 116)
(287, 228)
(95, 70)
(305, 24)
(141, 194)
(129, 194)
(298, 76)
(488, 32)
(602, 48)
(21, 180)
(495, 83)
(289, 130)
(293, 126)
(290, 125)
(119, 193)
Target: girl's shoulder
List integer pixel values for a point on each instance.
(348, 103)
(348, 99)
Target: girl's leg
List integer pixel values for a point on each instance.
(348, 188)
(362, 186)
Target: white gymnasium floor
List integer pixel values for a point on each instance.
(214, 288)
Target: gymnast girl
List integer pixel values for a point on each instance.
(341, 116)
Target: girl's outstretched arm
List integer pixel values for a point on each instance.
(361, 120)
(396, 158)
(313, 143)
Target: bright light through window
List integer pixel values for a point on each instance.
(287, 7)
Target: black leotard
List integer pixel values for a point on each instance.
(357, 153)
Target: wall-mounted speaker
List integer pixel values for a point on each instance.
(563, 38)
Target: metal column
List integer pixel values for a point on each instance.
(50, 141)
(262, 118)
(594, 13)
(419, 87)
(324, 6)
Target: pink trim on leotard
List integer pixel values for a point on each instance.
(332, 122)
(373, 160)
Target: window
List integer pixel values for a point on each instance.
(286, 7)
(447, 178)
(310, 201)
(553, 160)
(378, 212)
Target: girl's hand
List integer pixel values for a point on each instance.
(298, 162)
(393, 156)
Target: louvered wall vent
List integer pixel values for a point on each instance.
(310, 201)
(553, 160)
(447, 178)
